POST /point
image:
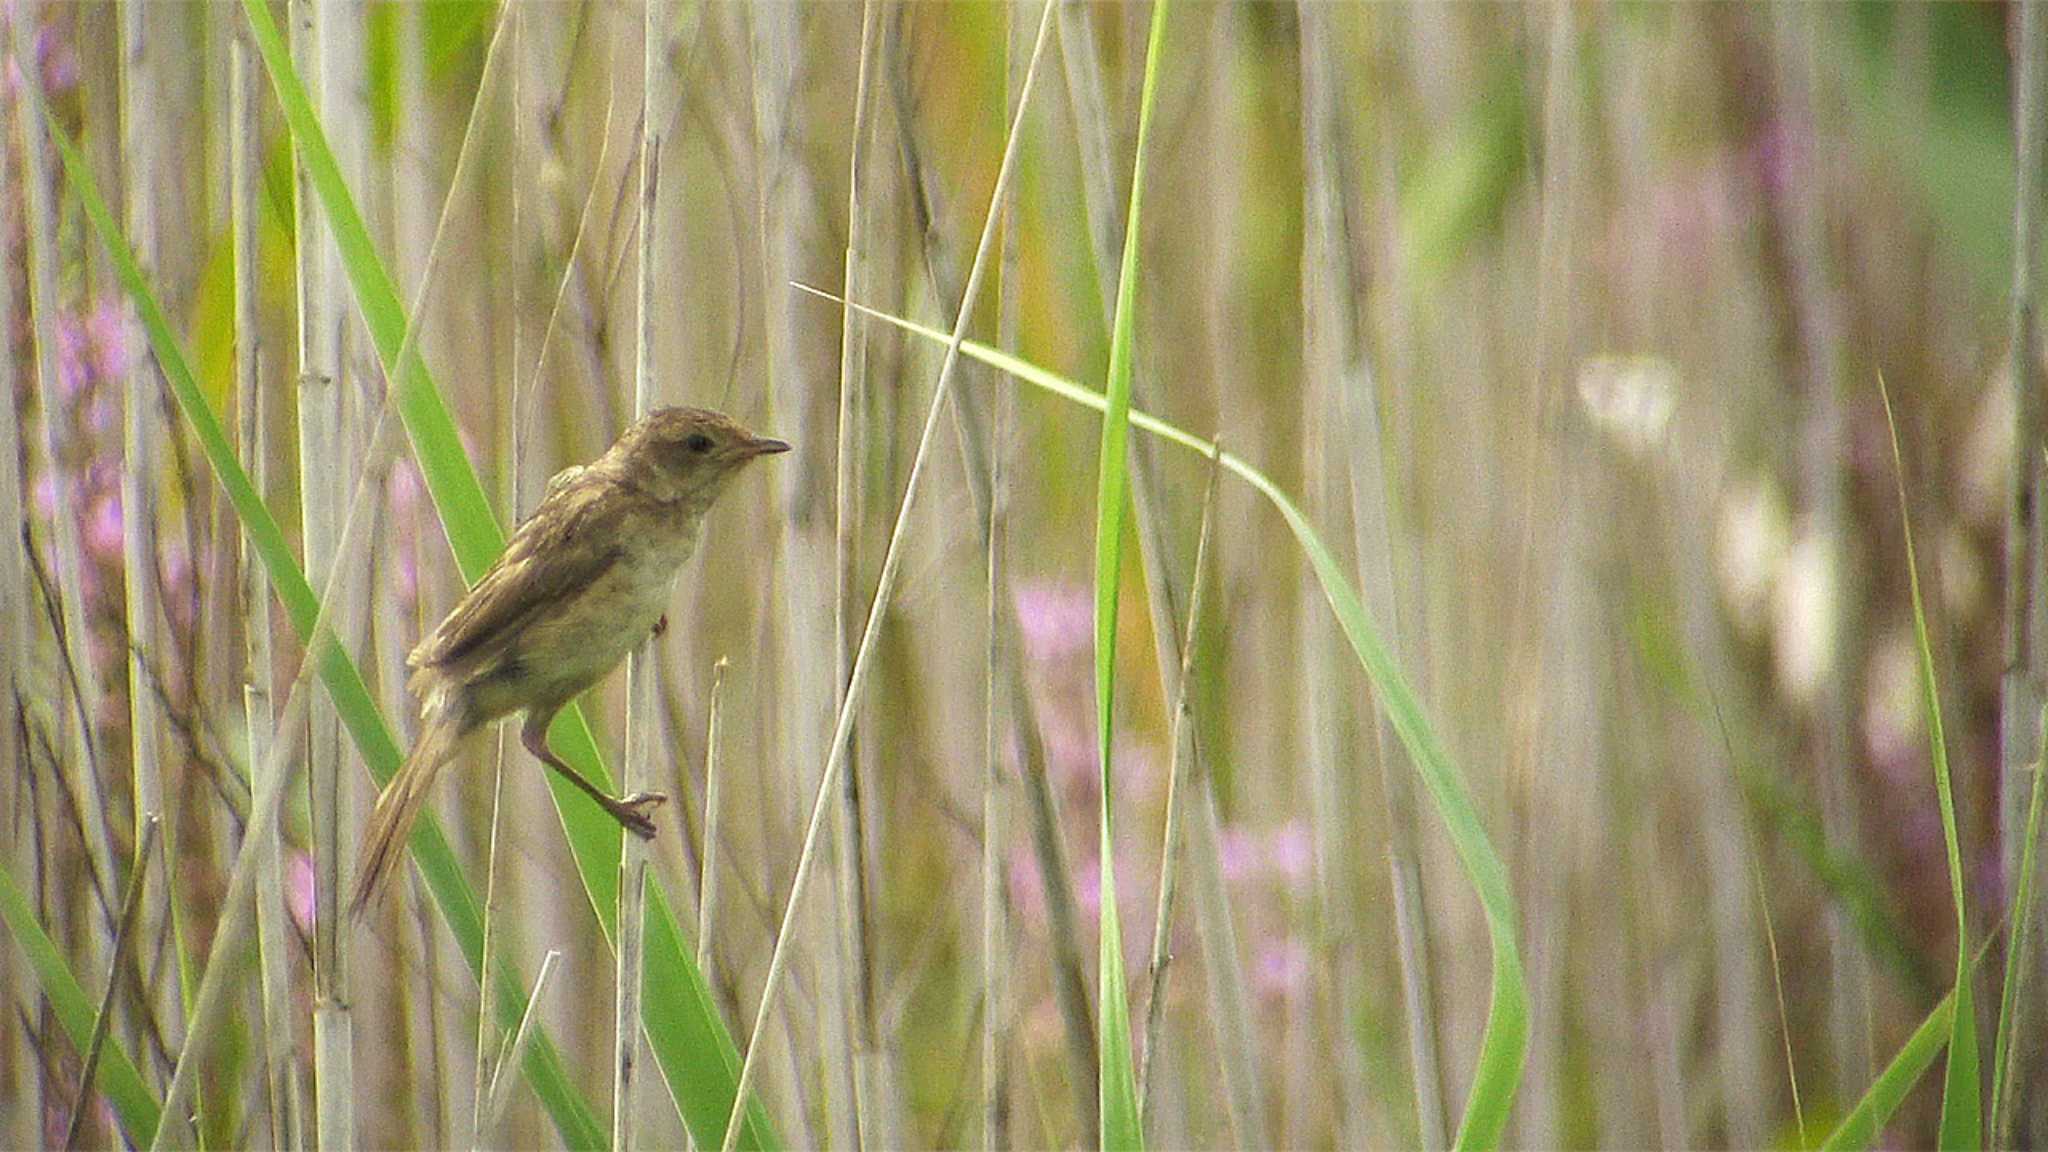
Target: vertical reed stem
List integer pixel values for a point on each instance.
(280, 1023)
(884, 587)
(1333, 351)
(707, 894)
(851, 829)
(1182, 733)
(141, 128)
(17, 1056)
(44, 307)
(2026, 545)
(322, 492)
(641, 669)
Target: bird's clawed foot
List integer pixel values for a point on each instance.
(661, 625)
(636, 812)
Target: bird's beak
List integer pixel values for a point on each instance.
(766, 446)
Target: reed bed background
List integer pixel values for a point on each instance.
(1552, 653)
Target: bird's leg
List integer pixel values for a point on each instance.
(634, 812)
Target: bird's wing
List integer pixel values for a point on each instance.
(548, 555)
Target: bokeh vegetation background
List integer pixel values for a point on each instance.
(1565, 324)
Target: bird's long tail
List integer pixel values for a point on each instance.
(382, 853)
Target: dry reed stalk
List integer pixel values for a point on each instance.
(791, 213)
(851, 831)
(280, 1025)
(707, 892)
(1170, 839)
(80, 693)
(1236, 1043)
(323, 489)
(1547, 659)
(1070, 983)
(885, 584)
(1823, 487)
(1740, 1051)
(1338, 362)
(142, 125)
(2025, 679)
(124, 930)
(642, 671)
(996, 1008)
(23, 1116)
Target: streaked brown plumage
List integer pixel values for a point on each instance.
(582, 581)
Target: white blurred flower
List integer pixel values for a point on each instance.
(1750, 538)
(1984, 466)
(1630, 397)
(1805, 613)
(1891, 698)
(1962, 574)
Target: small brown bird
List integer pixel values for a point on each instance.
(582, 581)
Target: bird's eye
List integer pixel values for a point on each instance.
(698, 443)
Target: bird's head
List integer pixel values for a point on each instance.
(689, 453)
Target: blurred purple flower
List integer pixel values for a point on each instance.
(74, 357)
(1781, 156)
(103, 528)
(1281, 968)
(1057, 619)
(111, 343)
(58, 62)
(1291, 851)
(408, 567)
(403, 488)
(298, 890)
(402, 491)
(1088, 882)
(102, 414)
(1239, 851)
(55, 60)
(1139, 774)
(45, 496)
(180, 588)
(1069, 748)
(1286, 853)
(1027, 888)
(1088, 888)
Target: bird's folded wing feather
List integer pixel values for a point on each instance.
(548, 556)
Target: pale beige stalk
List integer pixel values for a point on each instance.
(641, 667)
(79, 694)
(884, 586)
(252, 409)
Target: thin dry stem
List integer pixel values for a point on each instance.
(1182, 735)
(884, 586)
(281, 1029)
(851, 832)
(131, 904)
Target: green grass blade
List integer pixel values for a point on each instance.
(1506, 1038)
(117, 1080)
(1117, 1082)
(690, 1042)
(1962, 1117)
(1860, 1127)
(573, 1116)
(2020, 916)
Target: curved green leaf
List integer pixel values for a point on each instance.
(1506, 1038)
(118, 1080)
(690, 1042)
(573, 1117)
(1861, 1126)
(1117, 1082)
(1962, 1117)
